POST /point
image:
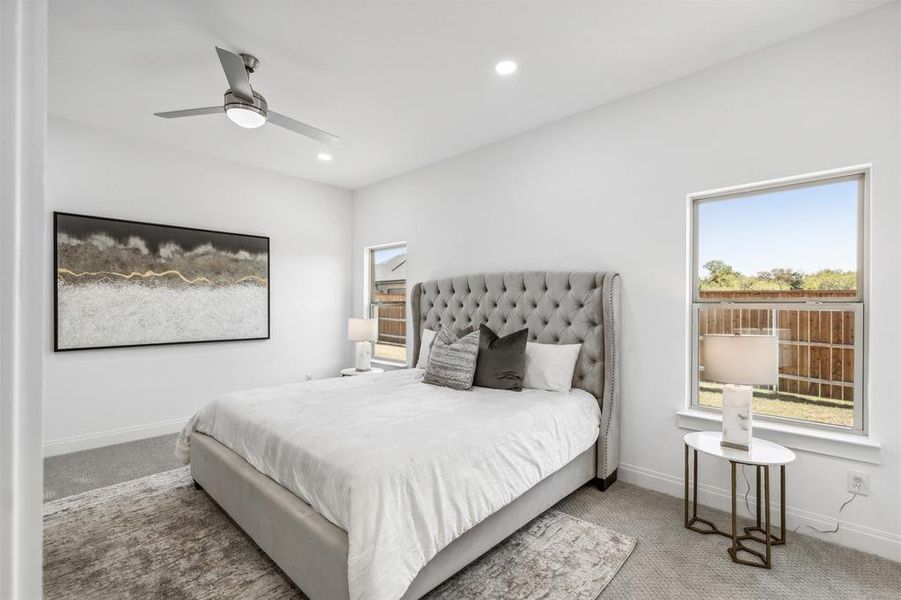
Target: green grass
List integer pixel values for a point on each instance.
(390, 352)
(790, 406)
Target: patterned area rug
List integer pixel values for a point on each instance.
(159, 537)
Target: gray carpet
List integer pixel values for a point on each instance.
(673, 562)
(158, 537)
(70, 474)
(669, 561)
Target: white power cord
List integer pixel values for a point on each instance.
(795, 530)
(837, 522)
(747, 491)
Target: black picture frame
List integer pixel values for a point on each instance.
(56, 321)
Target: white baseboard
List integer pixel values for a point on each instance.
(112, 436)
(859, 537)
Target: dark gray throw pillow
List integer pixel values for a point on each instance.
(502, 360)
(452, 361)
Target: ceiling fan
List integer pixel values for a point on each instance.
(245, 107)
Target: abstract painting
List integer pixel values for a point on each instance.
(125, 283)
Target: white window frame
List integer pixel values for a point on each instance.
(857, 304)
(367, 295)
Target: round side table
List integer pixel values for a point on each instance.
(761, 455)
(352, 372)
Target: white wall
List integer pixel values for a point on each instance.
(606, 189)
(97, 397)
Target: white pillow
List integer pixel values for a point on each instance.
(550, 366)
(428, 336)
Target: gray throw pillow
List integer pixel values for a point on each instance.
(501, 360)
(452, 361)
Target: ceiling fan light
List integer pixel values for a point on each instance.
(246, 117)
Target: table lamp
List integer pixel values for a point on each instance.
(363, 332)
(740, 361)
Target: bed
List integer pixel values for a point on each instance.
(383, 486)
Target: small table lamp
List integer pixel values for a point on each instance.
(740, 361)
(363, 331)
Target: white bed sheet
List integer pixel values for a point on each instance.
(404, 467)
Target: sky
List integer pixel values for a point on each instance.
(806, 229)
(385, 254)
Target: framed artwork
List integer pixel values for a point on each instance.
(126, 283)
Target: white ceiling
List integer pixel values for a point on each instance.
(404, 84)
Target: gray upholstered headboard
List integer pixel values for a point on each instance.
(557, 307)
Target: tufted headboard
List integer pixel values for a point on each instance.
(557, 307)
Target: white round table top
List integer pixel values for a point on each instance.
(352, 371)
(761, 452)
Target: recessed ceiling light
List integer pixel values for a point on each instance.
(505, 67)
(324, 156)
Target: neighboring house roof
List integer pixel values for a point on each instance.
(393, 269)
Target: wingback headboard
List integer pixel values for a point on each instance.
(557, 307)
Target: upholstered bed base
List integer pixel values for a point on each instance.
(313, 552)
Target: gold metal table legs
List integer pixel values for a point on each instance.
(760, 533)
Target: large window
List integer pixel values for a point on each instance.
(387, 300)
(786, 260)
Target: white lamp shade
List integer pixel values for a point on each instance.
(362, 330)
(741, 359)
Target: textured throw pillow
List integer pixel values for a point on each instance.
(428, 336)
(425, 346)
(550, 366)
(452, 361)
(501, 360)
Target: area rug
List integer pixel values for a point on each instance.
(158, 537)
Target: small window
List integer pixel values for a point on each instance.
(387, 300)
(786, 260)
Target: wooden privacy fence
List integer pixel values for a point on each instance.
(816, 342)
(392, 316)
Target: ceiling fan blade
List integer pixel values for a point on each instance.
(238, 80)
(190, 112)
(302, 128)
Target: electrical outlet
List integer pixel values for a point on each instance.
(859, 483)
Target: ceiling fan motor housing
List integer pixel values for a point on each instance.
(258, 105)
(251, 63)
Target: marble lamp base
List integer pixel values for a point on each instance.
(362, 355)
(737, 416)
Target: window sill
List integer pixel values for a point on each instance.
(829, 443)
(388, 364)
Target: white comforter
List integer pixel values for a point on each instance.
(404, 467)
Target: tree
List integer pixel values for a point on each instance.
(785, 278)
(721, 276)
(831, 279)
